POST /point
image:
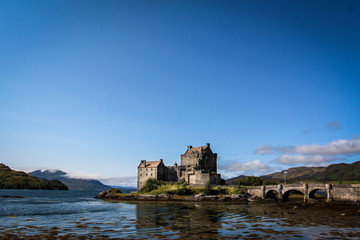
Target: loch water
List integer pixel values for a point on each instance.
(40, 214)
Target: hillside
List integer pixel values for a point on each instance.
(234, 180)
(11, 179)
(72, 183)
(334, 172)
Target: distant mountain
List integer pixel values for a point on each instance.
(72, 183)
(334, 172)
(11, 179)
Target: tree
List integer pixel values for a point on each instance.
(151, 184)
(250, 181)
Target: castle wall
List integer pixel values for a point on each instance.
(190, 159)
(201, 178)
(171, 174)
(215, 179)
(209, 162)
(144, 173)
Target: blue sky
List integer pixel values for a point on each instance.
(93, 87)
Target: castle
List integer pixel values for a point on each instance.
(198, 167)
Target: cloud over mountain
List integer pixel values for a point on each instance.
(304, 159)
(314, 153)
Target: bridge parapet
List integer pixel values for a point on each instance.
(344, 192)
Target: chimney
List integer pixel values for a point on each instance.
(161, 160)
(208, 145)
(189, 147)
(143, 161)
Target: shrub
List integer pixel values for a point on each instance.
(115, 190)
(220, 190)
(208, 190)
(151, 184)
(183, 189)
(250, 181)
(235, 190)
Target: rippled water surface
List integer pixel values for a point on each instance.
(76, 214)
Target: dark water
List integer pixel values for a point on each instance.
(75, 214)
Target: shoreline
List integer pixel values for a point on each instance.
(172, 198)
(234, 198)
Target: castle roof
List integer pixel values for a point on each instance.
(195, 149)
(151, 164)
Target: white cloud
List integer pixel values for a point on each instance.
(264, 149)
(127, 181)
(313, 154)
(304, 159)
(82, 175)
(337, 147)
(255, 167)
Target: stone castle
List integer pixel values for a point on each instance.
(198, 167)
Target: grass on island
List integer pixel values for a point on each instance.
(156, 187)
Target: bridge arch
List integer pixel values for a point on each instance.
(286, 195)
(349, 192)
(273, 194)
(312, 192)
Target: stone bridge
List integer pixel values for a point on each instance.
(341, 192)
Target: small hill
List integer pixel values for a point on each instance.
(72, 183)
(334, 172)
(125, 189)
(11, 179)
(234, 180)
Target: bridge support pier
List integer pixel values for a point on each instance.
(329, 189)
(280, 189)
(263, 192)
(306, 192)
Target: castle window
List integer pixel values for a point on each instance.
(151, 174)
(146, 174)
(140, 175)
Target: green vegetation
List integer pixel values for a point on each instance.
(250, 181)
(156, 187)
(115, 191)
(208, 190)
(151, 185)
(10, 179)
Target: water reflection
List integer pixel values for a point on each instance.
(44, 215)
(179, 219)
(254, 220)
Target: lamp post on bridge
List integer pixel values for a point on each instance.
(285, 172)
